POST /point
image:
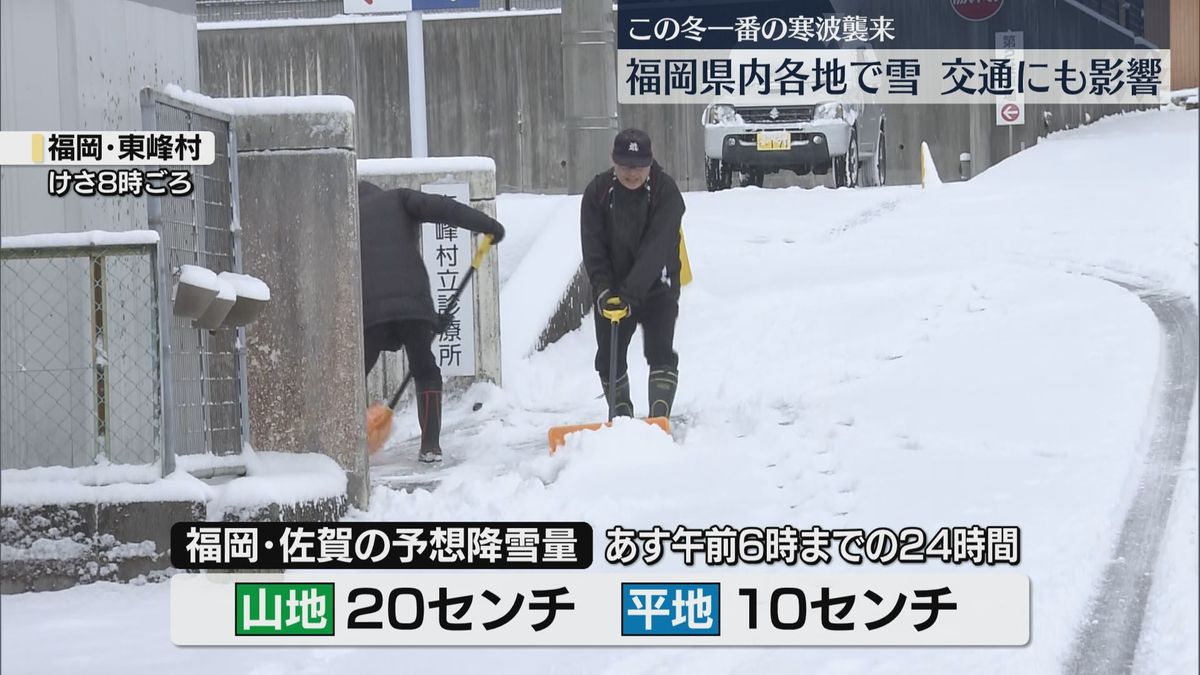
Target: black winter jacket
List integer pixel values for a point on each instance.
(630, 238)
(395, 283)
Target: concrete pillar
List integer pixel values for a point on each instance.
(590, 115)
(299, 219)
(589, 87)
(479, 173)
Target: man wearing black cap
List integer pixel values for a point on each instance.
(630, 227)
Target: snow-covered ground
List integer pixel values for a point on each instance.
(877, 357)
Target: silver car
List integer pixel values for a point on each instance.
(753, 141)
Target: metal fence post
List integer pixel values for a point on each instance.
(166, 398)
(98, 316)
(236, 229)
(162, 284)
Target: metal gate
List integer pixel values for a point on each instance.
(207, 406)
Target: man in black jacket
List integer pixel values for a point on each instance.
(630, 220)
(397, 303)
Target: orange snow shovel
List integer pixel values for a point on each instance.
(379, 416)
(558, 435)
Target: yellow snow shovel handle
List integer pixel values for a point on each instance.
(481, 251)
(616, 314)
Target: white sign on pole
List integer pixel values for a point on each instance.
(1010, 109)
(375, 6)
(447, 252)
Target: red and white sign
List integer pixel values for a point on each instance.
(375, 6)
(976, 10)
(1010, 112)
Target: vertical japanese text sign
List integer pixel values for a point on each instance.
(1010, 109)
(447, 252)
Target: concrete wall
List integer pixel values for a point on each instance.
(80, 66)
(477, 105)
(495, 89)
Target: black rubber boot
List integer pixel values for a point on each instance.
(661, 389)
(624, 405)
(429, 416)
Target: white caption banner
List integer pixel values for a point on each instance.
(890, 76)
(785, 609)
(107, 148)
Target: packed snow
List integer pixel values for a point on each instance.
(103, 482)
(196, 98)
(247, 286)
(264, 105)
(81, 239)
(848, 358)
(200, 277)
(271, 477)
(290, 105)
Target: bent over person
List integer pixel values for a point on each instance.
(397, 302)
(630, 220)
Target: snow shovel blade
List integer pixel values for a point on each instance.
(379, 424)
(558, 435)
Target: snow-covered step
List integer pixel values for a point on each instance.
(51, 547)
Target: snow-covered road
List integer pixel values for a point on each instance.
(1108, 640)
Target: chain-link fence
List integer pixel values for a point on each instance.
(239, 10)
(79, 356)
(207, 368)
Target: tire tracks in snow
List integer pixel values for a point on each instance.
(863, 218)
(1108, 639)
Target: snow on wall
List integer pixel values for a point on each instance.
(97, 484)
(293, 105)
(280, 478)
(46, 549)
(264, 105)
(410, 165)
(89, 238)
(195, 98)
(271, 478)
(365, 18)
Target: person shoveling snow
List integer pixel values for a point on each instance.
(630, 231)
(397, 302)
